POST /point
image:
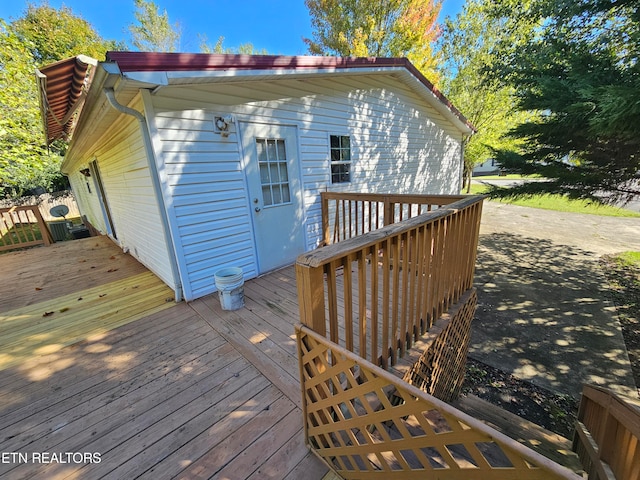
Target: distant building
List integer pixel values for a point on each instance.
(488, 167)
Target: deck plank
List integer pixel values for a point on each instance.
(88, 408)
(253, 422)
(42, 375)
(274, 363)
(46, 327)
(252, 458)
(43, 273)
(159, 392)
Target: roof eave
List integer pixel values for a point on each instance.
(169, 68)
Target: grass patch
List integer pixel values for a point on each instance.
(629, 259)
(559, 203)
(511, 176)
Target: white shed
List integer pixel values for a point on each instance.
(196, 162)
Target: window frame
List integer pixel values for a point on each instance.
(342, 162)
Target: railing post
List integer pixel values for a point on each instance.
(310, 281)
(47, 238)
(324, 202)
(388, 211)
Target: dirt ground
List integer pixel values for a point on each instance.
(544, 324)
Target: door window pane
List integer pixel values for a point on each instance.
(274, 175)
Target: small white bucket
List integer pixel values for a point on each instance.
(230, 285)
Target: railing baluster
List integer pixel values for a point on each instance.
(395, 298)
(362, 302)
(404, 330)
(427, 283)
(348, 302)
(332, 291)
(344, 220)
(374, 303)
(386, 301)
(417, 276)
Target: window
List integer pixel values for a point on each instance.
(274, 177)
(340, 158)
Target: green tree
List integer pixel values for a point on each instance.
(154, 32)
(243, 49)
(42, 35)
(580, 75)
(468, 46)
(380, 28)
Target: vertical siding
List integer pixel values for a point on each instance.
(206, 186)
(123, 166)
(399, 144)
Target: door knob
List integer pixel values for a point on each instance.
(257, 209)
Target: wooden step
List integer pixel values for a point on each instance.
(537, 438)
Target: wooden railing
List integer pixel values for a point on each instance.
(354, 427)
(22, 227)
(607, 435)
(348, 215)
(375, 293)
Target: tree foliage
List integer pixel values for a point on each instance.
(468, 46)
(579, 73)
(42, 35)
(153, 31)
(242, 49)
(379, 28)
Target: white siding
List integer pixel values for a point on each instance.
(399, 144)
(121, 158)
(87, 199)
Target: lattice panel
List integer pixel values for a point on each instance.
(440, 369)
(353, 426)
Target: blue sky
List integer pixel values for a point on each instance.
(275, 25)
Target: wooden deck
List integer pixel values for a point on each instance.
(167, 391)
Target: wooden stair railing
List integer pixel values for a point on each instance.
(607, 437)
(377, 293)
(351, 424)
(529, 434)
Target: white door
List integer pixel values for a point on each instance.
(273, 178)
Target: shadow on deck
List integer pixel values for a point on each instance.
(168, 390)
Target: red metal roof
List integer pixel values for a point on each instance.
(166, 62)
(153, 61)
(62, 86)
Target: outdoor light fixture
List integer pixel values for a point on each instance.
(222, 125)
(86, 172)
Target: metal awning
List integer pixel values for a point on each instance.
(62, 88)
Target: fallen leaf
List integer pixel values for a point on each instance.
(47, 314)
(38, 288)
(102, 295)
(112, 270)
(112, 257)
(64, 309)
(80, 299)
(82, 261)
